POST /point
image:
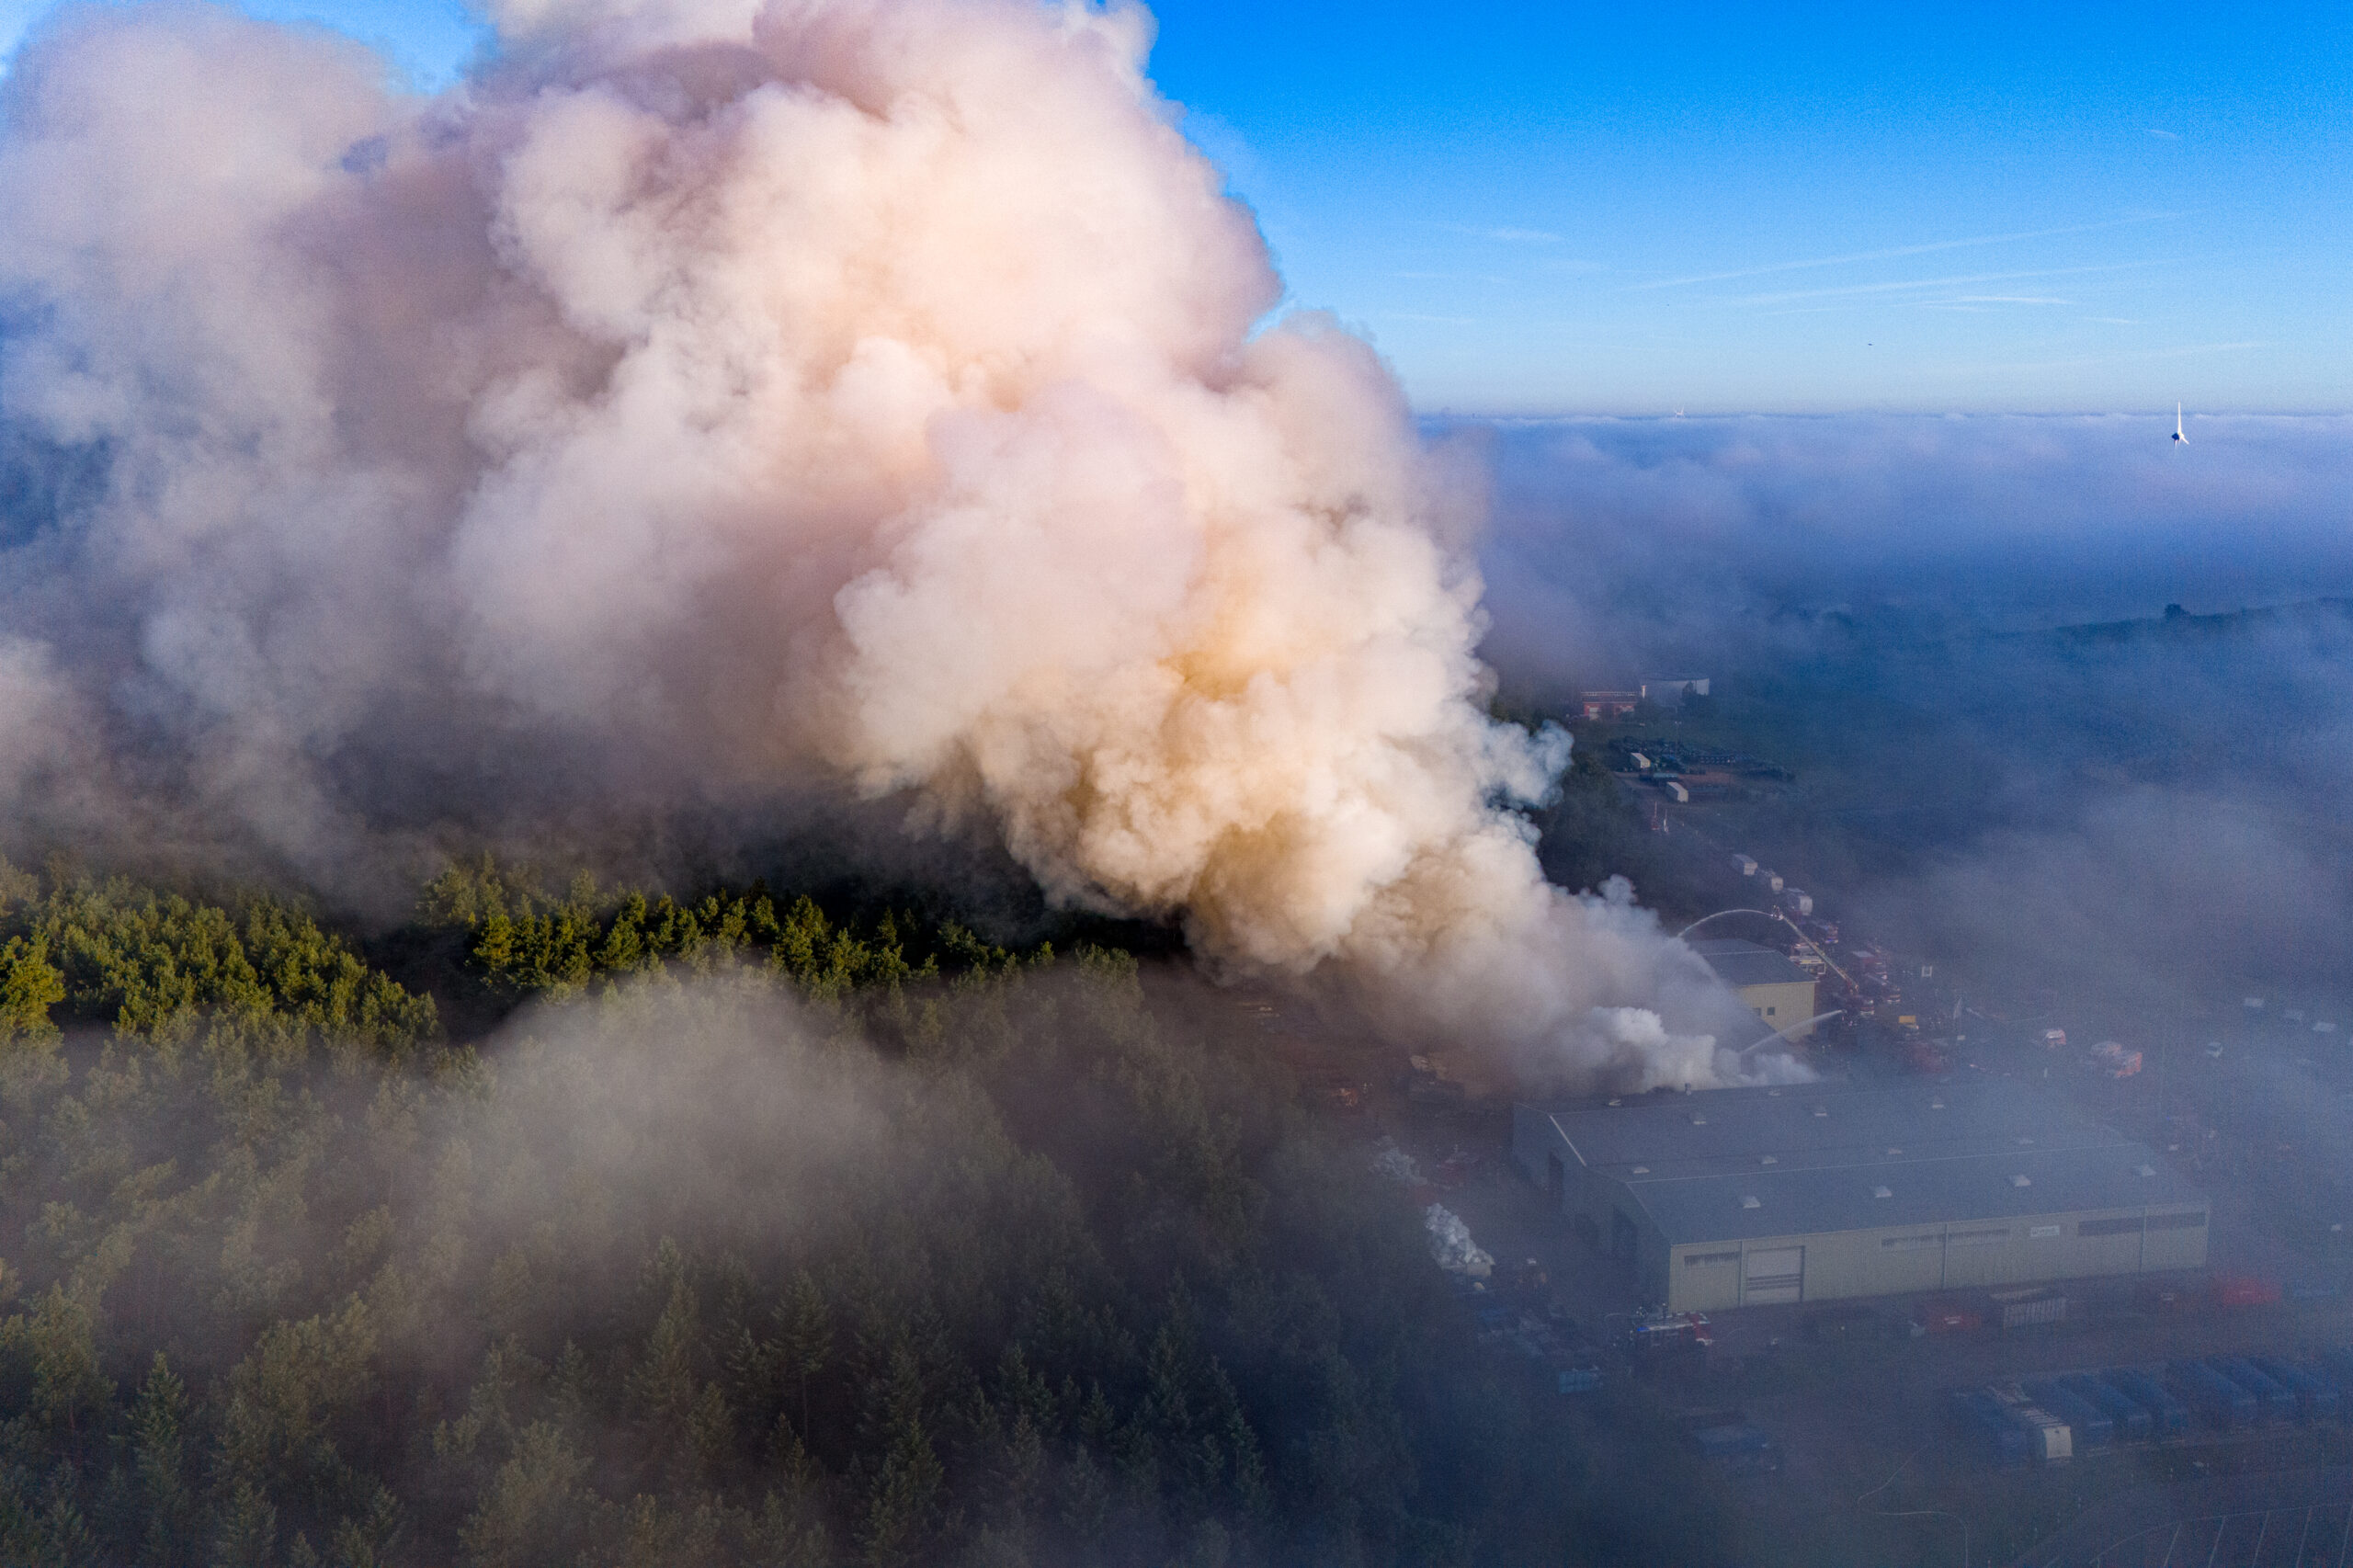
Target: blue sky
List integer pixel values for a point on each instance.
(1567, 208)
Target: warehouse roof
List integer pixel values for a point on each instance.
(1815, 1157)
(1746, 963)
(1957, 1191)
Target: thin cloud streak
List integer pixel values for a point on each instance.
(2183, 352)
(1449, 278)
(1507, 234)
(1900, 251)
(1961, 280)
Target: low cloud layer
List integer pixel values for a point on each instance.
(1619, 543)
(2110, 808)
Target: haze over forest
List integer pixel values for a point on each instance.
(677, 721)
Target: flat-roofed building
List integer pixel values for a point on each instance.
(1772, 986)
(1814, 1192)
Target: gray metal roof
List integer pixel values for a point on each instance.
(1746, 963)
(1813, 1155)
(1981, 1187)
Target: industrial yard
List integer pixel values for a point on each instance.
(1853, 1405)
(2126, 1345)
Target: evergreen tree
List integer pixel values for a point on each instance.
(903, 1502)
(804, 1337)
(159, 1453)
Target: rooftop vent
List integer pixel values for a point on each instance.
(2020, 1180)
(1750, 1202)
(1882, 1192)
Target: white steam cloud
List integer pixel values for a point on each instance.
(719, 397)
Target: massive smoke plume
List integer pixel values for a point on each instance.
(712, 401)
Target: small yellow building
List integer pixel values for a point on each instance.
(1775, 989)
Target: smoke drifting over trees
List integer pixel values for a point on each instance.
(755, 1244)
(710, 404)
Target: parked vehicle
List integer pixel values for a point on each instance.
(2131, 1419)
(2166, 1413)
(2215, 1397)
(2317, 1396)
(1988, 1425)
(2094, 1428)
(2028, 1308)
(1660, 1333)
(2048, 1439)
(2246, 1291)
(2116, 1060)
(2274, 1400)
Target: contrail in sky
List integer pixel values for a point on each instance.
(1900, 251)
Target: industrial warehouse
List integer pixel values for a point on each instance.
(1818, 1191)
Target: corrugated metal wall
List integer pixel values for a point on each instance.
(1713, 1276)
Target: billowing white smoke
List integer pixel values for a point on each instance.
(725, 395)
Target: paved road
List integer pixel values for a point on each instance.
(2292, 1519)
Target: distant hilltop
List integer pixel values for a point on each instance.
(2177, 623)
(1896, 634)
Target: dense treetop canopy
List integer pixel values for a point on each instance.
(711, 1232)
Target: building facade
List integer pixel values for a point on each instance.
(1772, 987)
(1817, 1192)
